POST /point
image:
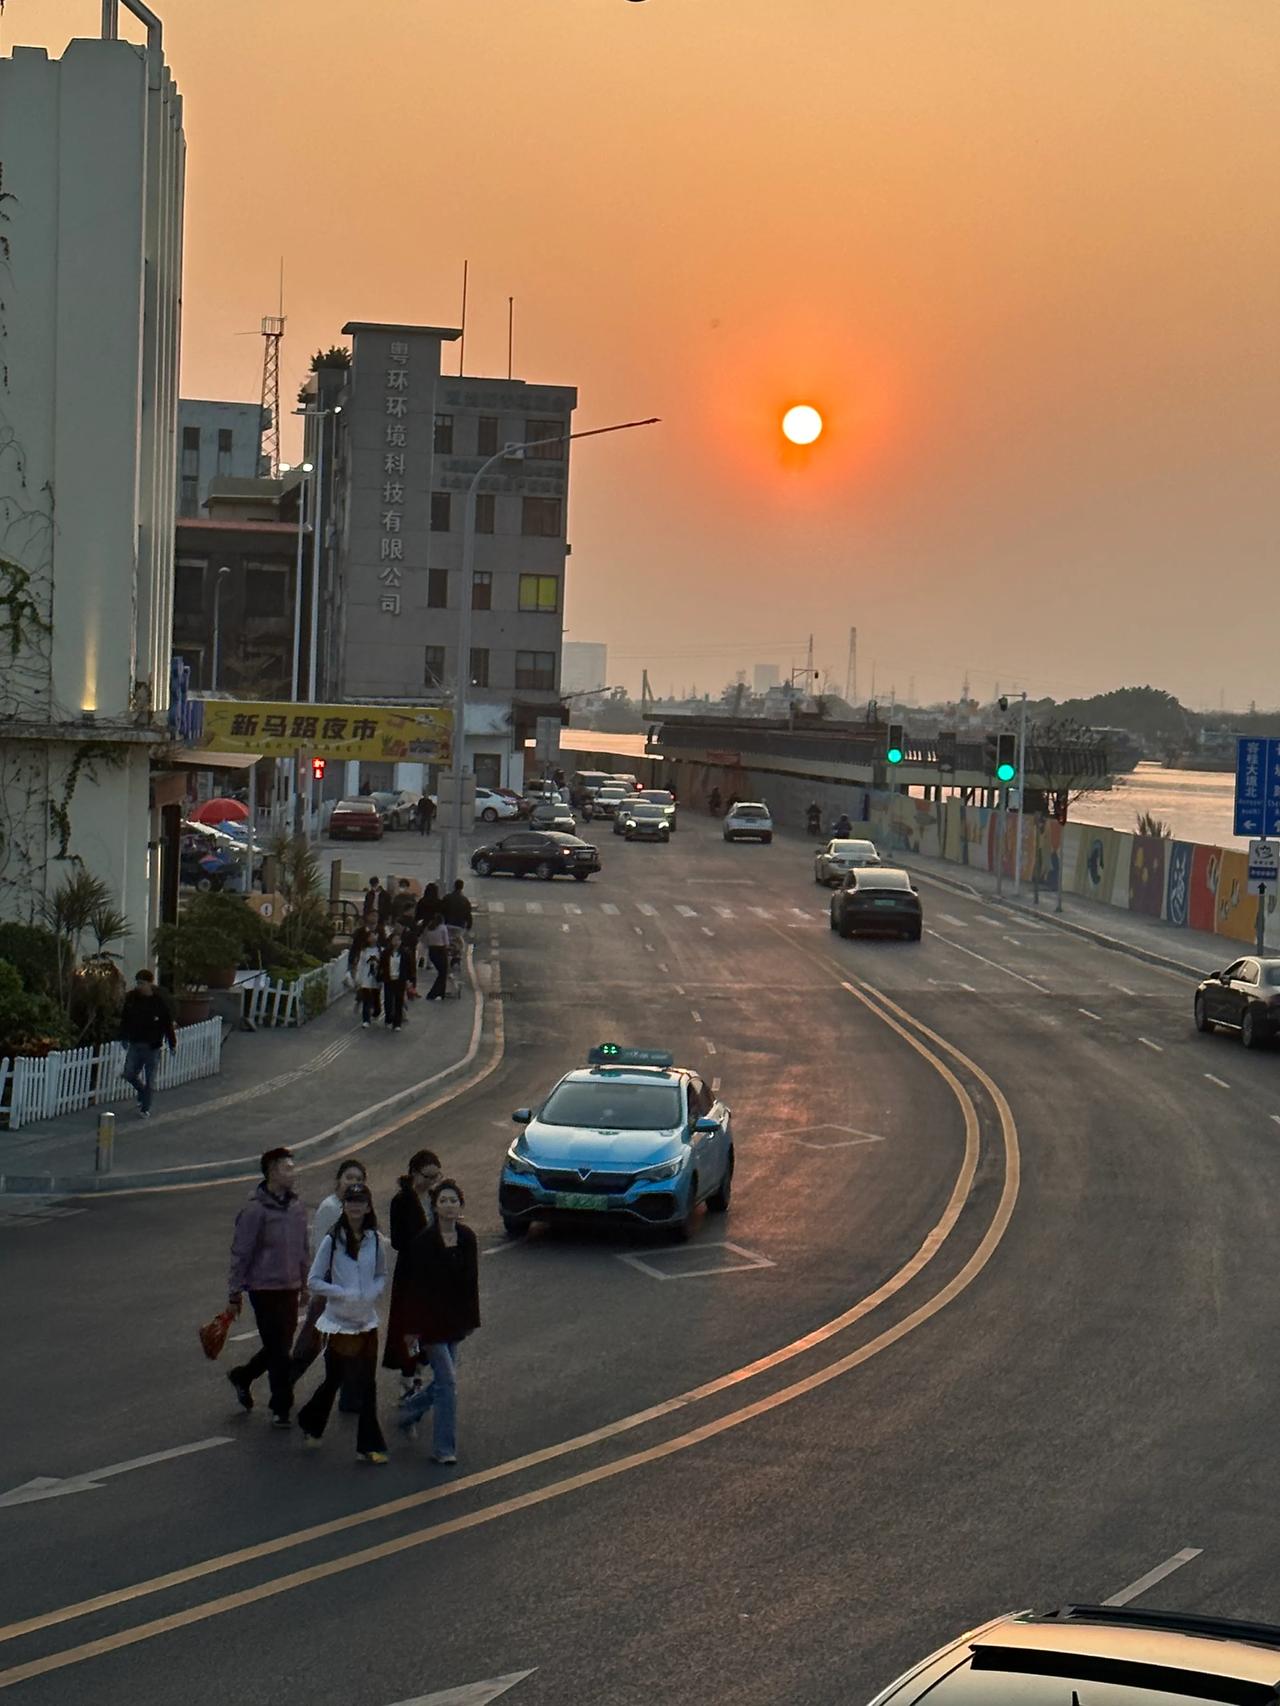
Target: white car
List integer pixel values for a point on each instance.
(748, 821)
(661, 797)
(491, 806)
(834, 862)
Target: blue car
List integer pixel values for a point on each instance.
(629, 1137)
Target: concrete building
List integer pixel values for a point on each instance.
(585, 668)
(764, 676)
(93, 160)
(215, 441)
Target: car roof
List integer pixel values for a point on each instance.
(883, 877)
(627, 1075)
(843, 842)
(363, 804)
(750, 805)
(1133, 1641)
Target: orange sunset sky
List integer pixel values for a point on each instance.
(1024, 256)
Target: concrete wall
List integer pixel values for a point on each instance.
(242, 420)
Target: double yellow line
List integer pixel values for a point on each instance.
(926, 1043)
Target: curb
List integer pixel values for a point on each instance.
(308, 1150)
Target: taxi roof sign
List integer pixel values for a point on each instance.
(613, 1054)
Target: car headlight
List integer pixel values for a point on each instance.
(665, 1169)
(519, 1163)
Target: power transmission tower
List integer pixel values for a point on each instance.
(269, 414)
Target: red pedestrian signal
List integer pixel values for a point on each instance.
(317, 769)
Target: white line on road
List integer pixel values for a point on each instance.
(609, 907)
(1147, 1043)
(725, 911)
(533, 906)
(947, 918)
(497, 906)
(565, 928)
(1124, 989)
(663, 966)
(1153, 1576)
(471, 1693)
(1014, 940)
(760, 912)
(697, 1017)
(800, 913)
(639, 929)
(679, 988)
(994, 964)
(707, 930)
(1089, 1015)
(993, 922)
(1276, 1118)
(570, 907)
(497, 1249)
(715, 1086)
(54, 1486)
(648, 911)
(252, 1332)
(686, 912)
(1221, 1082)
(709, 1046)
(649, 948)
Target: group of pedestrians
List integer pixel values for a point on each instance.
(339, 1268)
(398, 934)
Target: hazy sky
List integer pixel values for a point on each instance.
(1023, 255)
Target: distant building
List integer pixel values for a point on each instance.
(585, 668)
(215, 441)
(764, 676)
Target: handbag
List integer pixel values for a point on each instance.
(213, 1335)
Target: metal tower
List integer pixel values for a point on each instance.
(269, 415)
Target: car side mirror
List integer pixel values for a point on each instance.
(522, 1116)
(705, 1124)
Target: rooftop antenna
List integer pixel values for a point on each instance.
(511, 322)
(269, 409)
(462, 344)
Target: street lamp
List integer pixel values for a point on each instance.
(451, 839)
(217, 625)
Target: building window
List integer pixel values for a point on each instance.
(540, 518)
(485, 502)
(437, 589)
(443, 445)
(536, 669)
(540, 437)
(266, 589)
(487, 435)
(188, 586)
(190, 442)
(433, 668)
(224, 450)
(539, 592)
(189, 471)
(488, 769)
(441, 503)
(479, 666)
(482, 590)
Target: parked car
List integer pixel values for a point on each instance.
(834, 862)
(1244, 998)
(748, 821)
(880, 899)
(356, 820)
(397, 808)
(541, 853)
(492, 804)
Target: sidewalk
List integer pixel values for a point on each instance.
(319, 1089)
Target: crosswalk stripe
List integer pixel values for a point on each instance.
(993, 922)
(649, 911)
(799, 912)
(760, 912)
(686, 912)
(497, 906)
(570, 907)
(607, 906)
(950, 918)
(725, 911)
(533, 906)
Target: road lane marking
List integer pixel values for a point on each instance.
(55, 1486)
(1123, 988)
(994, 964)
(663, 966)
(496, 905)
(1089, 1015)
(995, 923)
(949, 918)
(235, 1338)
(649, 948)
(570, 907)
(709, 1046)
(533, 906)
(933, 1242)
(1149, 1044)
(639, 929)
(471, 1693)
(565, 928)
(609, 907)
(686, 912)
(644, 907)
(760, 912)
(1153, 1576)
(1014, 940)
(1219, 1081)
(715, 1091)
(725, 911)
(1276, 1118)
(753, 1260)
(696, 1016)
(707, 930)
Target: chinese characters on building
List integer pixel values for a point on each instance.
(395, 449)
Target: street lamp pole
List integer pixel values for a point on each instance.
(451, 840)
(218, 585)
(1022, 796)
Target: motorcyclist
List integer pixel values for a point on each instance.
(843, 828)
(814, 816)
(713, 802)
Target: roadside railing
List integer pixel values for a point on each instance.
(41, 1088)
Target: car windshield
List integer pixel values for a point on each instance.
(1271, 975)
(883, 880)
(355, 806)
(658, 796)
(614, 1106)
(750, 811)
(645, 808)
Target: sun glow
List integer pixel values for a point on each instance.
(802, 424)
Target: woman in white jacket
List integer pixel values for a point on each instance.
(350, 1273)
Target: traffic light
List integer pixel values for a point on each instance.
(1006, 758)
(317, 769)
(894, 750)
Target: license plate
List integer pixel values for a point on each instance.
(580, 1199)
(886, 903)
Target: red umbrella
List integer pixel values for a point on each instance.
(221, 811)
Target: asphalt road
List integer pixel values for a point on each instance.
(990, 1324)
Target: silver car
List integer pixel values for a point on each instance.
(833, 863)
(749, 821)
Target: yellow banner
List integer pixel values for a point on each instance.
(408, 733)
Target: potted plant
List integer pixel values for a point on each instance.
(192, 956)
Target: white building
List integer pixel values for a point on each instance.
(91, 232)
(215, 441)
(585, 668)
(764, 676)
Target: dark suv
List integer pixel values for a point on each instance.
(877, 899)
(1116, 1654)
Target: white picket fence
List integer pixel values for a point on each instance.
(268, 1004)
(62, 1083)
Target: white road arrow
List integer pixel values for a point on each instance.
(54, 1487)
(471, 1693)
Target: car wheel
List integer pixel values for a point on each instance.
(488, 815)
(718, 1201)
(514, 1228)
(581, 876)
(832, 916)
(766, 839)
(1202, 1018)
(204, 884)
(846, 931)
(1249, 1029)
(544, 872)
(682, 1231)
(483, 868)
(915, 935)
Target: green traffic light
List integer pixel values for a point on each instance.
(894, 755)
(1006, 772)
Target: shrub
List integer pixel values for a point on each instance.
(27, 1022)
(189, 953)
(35, 952)
(231, 915)
(315, 995)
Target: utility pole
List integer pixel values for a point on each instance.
(1022, 794)
(851, 670)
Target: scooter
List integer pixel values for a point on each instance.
(814, 818)
(713, 802)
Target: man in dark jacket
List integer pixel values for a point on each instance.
(455, 908)
(269, 1260)
(145, 1025)
(376, 899)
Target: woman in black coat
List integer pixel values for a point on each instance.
(407, 1218)
(444, 1308)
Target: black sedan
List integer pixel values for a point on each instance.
(1244, 998)
(537, 853)
(877, 899)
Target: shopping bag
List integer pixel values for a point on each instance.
(213, 1335)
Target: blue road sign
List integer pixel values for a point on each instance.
(1257, 787)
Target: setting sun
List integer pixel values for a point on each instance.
(802, 424)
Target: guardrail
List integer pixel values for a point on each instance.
(41, 1088)
(270, 1004)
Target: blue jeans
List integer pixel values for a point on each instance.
(140, 1071)
(441, 1397)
